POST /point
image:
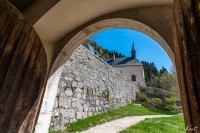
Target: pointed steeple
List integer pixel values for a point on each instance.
(133, 51)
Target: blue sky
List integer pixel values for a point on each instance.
(121, 40)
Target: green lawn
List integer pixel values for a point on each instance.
(129, 110)
(173, 124)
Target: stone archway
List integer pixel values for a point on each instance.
(76, 40)
(52, 84)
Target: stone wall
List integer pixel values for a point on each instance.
(89, 86)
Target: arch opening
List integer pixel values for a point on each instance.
(58, 66)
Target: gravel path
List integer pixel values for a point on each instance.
(118, 125)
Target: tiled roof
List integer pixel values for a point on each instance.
(123, 61)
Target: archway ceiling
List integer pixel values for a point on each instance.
(68, 15)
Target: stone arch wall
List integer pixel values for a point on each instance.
(71, 45)
(77, 39)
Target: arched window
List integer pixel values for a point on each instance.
(133, 78)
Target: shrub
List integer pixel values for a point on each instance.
(141, 97)
(170, 107)
(143, 89)
(156, 100)
(148, 104)
(153, 103)
(159, 104)
(170, 101)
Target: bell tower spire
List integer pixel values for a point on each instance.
(133, 51)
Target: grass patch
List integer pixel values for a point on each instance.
(129, 110)
(55, 131)
(173, 124)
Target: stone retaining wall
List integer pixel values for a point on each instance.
(89, 86)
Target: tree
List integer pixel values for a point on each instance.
(151, 72)
(169, 82)
(161, 78)
(163, 70)
(175, 87)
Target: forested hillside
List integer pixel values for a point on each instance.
(104, 52)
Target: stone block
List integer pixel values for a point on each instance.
(85, 90)
(71, 120)
(97, 102)
(89, 113)
(84, 102)
(99, 108)
(85, 107)
(78, 115)
(69, 92)
(89, 108)
(84, 114)
(93, 109)
(93, 102)
(84, 96)
(97, 93)
(78, 106)
(78, 95)
(68, 78)
(80, 85)
(86, 82)
(70, 113)
(65, 120)
(55, 113)
(74, 84)
(62, 84)
(78, 90)
(61, 101)
(68, 103)
(78, 78)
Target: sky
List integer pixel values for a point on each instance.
(121, 40)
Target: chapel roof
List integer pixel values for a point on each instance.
(123, 61)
